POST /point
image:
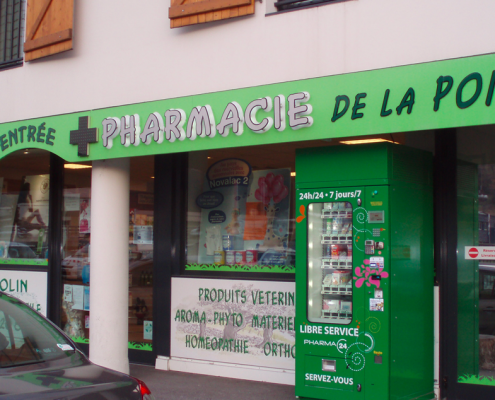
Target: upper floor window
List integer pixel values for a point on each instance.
(282, 5)
(11, 32)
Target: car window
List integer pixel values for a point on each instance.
(26, 337)
(10, 332)
(4, 333)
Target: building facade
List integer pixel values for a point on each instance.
(149, 175)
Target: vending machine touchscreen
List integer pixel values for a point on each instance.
(364, 251)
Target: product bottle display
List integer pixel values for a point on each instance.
(330, 235)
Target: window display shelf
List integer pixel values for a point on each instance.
(336, 239)
(345, 290)
(336, 264)
(335, 214)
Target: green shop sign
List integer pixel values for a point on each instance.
(443, 94)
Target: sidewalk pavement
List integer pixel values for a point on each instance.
(171, 385)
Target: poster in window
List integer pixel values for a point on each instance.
(85, 216)
(31, 218)
(267, 210)
(72, 202)
(78, 297)
(142, 234)
(8, 207)
(244, 216)
(86, 298)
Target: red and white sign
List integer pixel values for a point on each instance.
(480, 252)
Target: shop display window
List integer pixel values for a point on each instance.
(241, 208)
(76, 251)
(24, 208)
(476, 257)
(240, 211)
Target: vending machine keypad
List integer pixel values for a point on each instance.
(369, 247)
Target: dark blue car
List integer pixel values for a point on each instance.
(38, 361)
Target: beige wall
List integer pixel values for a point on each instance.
(125, 52)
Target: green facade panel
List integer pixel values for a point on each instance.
(385, 101)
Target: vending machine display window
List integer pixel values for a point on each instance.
(330, 262)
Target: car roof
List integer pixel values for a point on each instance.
(487, 267)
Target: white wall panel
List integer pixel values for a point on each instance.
(125, 52)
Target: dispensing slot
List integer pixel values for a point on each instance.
(329, 365)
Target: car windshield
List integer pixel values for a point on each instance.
(26, 337)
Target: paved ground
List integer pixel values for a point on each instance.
(169, 385)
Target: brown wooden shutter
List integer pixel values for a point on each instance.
(191, 12)
(48, 28)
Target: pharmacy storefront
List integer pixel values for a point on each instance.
(209, 203)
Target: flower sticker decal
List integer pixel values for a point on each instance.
(366, 274)
(302, 210)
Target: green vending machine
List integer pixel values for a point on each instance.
(364, 273)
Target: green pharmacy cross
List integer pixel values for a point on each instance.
(83, 137)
